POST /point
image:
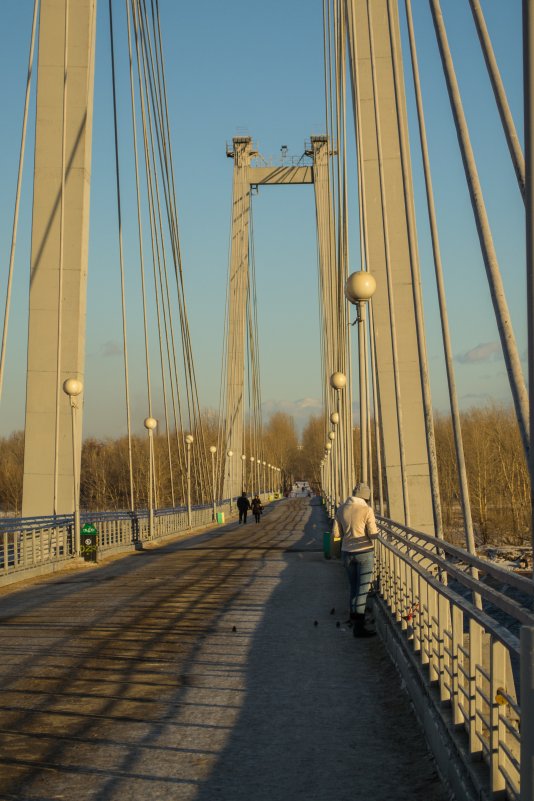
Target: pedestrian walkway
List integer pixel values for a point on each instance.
(195, 671)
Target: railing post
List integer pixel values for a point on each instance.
(457, 626)
(444, 660)
(475, 660)
(497, 682)
(527, 713)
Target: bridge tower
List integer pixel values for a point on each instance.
(60, 228)
(245, 176)
(388, 215)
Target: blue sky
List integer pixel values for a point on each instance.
(248, 68)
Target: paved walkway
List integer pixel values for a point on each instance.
(128, 681)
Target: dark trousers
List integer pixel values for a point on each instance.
(257, 515)
(243, 515)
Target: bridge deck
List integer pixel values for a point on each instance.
(126, 681)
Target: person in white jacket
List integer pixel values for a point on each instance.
(355, 522)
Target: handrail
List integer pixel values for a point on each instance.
(472, 657)
(29, 543)
(483, 565)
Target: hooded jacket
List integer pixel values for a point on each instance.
(355, 522)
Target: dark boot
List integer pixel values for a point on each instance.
(359, 629)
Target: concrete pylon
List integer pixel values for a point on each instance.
(379, 118)
(337, 357)
(234, 481)
(49, 316)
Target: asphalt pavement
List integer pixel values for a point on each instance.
(210, 668)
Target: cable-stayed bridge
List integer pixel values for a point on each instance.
(217, 662)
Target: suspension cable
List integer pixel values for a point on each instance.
(17, 196)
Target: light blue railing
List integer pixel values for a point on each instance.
(34, 542)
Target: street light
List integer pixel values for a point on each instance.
(150, 424)
(338, 381)
(359, 289)
(72, 387)
(334, 418)
(331, 435)
(244, 471)
(230, 482)
(213, 451)
(252, 475)
(189, 442)
(264, 477)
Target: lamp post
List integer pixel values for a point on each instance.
(213, 451)
(230, 483)
(150, 424)
(340, 469)
(189, 442)
(331, 478)
(359, 289)
(252, 476)
(244, 473)
(265, 492)
(73, 388)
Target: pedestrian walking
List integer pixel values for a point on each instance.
(257, 508)
(355, 522)
(243, 504)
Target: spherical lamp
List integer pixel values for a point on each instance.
(338, 381)
(360, 287)
(72, 387)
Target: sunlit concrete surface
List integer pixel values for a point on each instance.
(127, 681)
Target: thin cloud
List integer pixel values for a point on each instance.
(485, 352)
(110, 349)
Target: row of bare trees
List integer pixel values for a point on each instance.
(105, 473)
(497, 471)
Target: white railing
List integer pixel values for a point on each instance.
(471, 626)
(34, 543)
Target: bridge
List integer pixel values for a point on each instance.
(152, 645)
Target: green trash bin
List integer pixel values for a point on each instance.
(88, 542)
(220, 518)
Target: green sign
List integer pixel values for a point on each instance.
(90, 529)
(88, 547)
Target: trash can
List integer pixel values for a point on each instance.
(331, 546)
(220, 518)
(88, 542)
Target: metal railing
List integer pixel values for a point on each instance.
(474, 657)
(33, 542)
